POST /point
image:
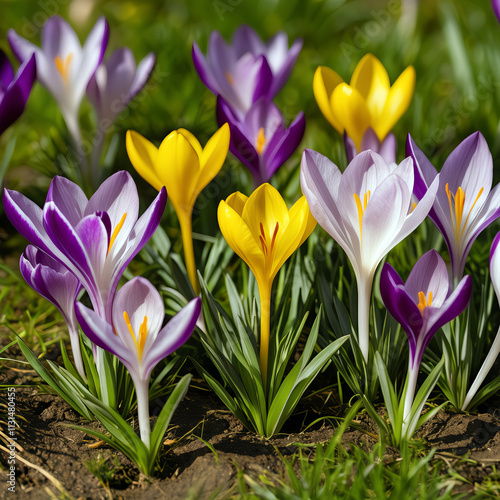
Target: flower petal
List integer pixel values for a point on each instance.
(143, 156)
(324, 82)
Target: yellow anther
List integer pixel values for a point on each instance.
(456, 203)
(229, 78)
(361, 210)
(423, 303)
(63, 66)
(116, 231)
(261, 140)
(143, 333)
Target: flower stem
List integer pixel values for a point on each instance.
(410, 394)
(364, 297)
(142, 393)
(187, 242)
(265, 326)
(485, 368)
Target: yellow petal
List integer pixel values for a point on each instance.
(143, 155)
(240, 239)
(191, 138)
(265, 207)
(371, 80)
(350, 108)
(301, 224)
(397, 102)
(324, 82)
(180, 169)
(237, 201)
(213, 156)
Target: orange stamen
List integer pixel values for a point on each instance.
(423, 303)
(361, 210)
(229, 78)
(143, 333)
(116, 231)
(261, 140)
(63, 66)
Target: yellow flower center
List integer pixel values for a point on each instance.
(116, 231)
(63, 66)
(456, 203)
(361, 210)
(261, 140)
(265, 248)
(423, 303)
(143, 333)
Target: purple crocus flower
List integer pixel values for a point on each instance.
(386, 148)
(261, 141)
(57, 284)
(465, 203)
(134, 335)
(95, 239)
(64, 67)
(422, 306)
(116, 82)
(14, 89)
(368, 209)
(248, 68)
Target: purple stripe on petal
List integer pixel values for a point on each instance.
(263, 81)
(496, 8)
(6, 71)
(494, 246)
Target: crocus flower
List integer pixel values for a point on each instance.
(247, 69)
(495, 347)
(261, 140)
(135, 335)
(116, 82)
(184, 168)
(465, 203)
(57, 284)
(422, 306)
(264, 233)
(367, 102)
(64, 67)
(367, 210)
(95, 239)
(14, 89)
(386, 148)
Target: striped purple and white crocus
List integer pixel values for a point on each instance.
(368, 209)
(93, 238)
(465, 203)
(422, 305)
(134, 334)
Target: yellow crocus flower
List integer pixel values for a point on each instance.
(368, 102)
(264, 233)
(184, 168)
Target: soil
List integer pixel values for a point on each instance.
(190, 467)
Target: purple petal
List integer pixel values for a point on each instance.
(176, 333)
(101, 333)
(424, 170)
(26, 217)
(350, 148)
(282, 75)
(6, 71)
(22, 49)
(429, 274)
(69, 199)
(496, 8)
(245, 39)
(144, 69)
(401, 305)
(201, 67)
(263, 80)
(387, 149)
(495, 265)
(278, 153)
